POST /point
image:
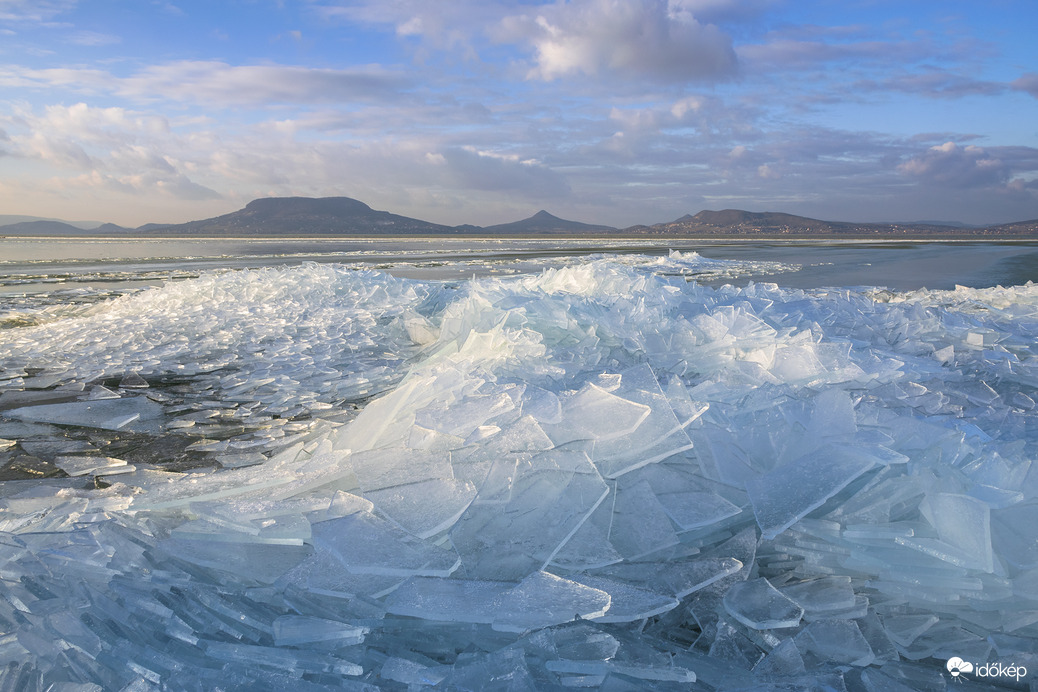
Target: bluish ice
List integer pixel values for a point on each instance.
(601, 475)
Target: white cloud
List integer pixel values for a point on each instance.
(111, 149)
(955, 166)
(647, 39)
(33, 10)
(484, 170)
(218, 83)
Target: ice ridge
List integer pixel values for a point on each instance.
(600, 476)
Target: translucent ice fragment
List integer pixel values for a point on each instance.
(593, 672)
(291, 630)
(905, 629)
(425, 508)
(283, 530)
(11, 399)
(637, 523)
(783, 660)
(628, 603)
(1015, 534)
(834, 641)
(677, 577)
(323, 574)
(542, 405)
(366, 544)
(760, 606)
(825, 597)
(250, 563)
(553, 494)
(385, 468)
(411, 673)
(101, 392)
(462, 417)
(693, 510)
(448, 600)
(234, 461)
(733, 647)
(658, 436)
(599, 415)
(138, 414)
(282, 659)
(542, 600)
(589, 548)
(133, 380)
(82, 465)
(963, 524)
(786, 493)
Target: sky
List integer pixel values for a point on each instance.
(617, 112)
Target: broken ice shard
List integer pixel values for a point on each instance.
(760, 606)
(788, 492)
(299, 629)
(540, 600)
(552, 495)
(137, 414)
(366, 544)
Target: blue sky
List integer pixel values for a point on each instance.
(482, 111)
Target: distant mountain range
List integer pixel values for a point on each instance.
(323, 216)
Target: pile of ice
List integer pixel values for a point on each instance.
(595, 477)
(688, 264)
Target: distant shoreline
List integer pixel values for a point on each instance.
(712, 238)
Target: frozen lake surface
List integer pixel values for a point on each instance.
(521, 464)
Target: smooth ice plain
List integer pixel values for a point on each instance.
(604, 475)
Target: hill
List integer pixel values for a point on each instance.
(304, 216)
(42, 228)
(543, 222)
(736, 222)
(316, 216)
(10, 219)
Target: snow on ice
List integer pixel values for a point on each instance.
(602, 476)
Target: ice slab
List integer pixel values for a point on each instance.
(552, 495)
(82, 465)
(760, 606)
(137, 414)
(425, 508)
(635, 522)
(1014, 530)
(787, 493)
(963, 527)
(292, 630)
(540, 600)
(627, 603)
(827, 597)
(366, 544)
(543, 599)
(694, 509)
(834, 641)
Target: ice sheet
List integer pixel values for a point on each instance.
(602, 475)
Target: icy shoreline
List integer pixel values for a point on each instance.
(595, 476)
